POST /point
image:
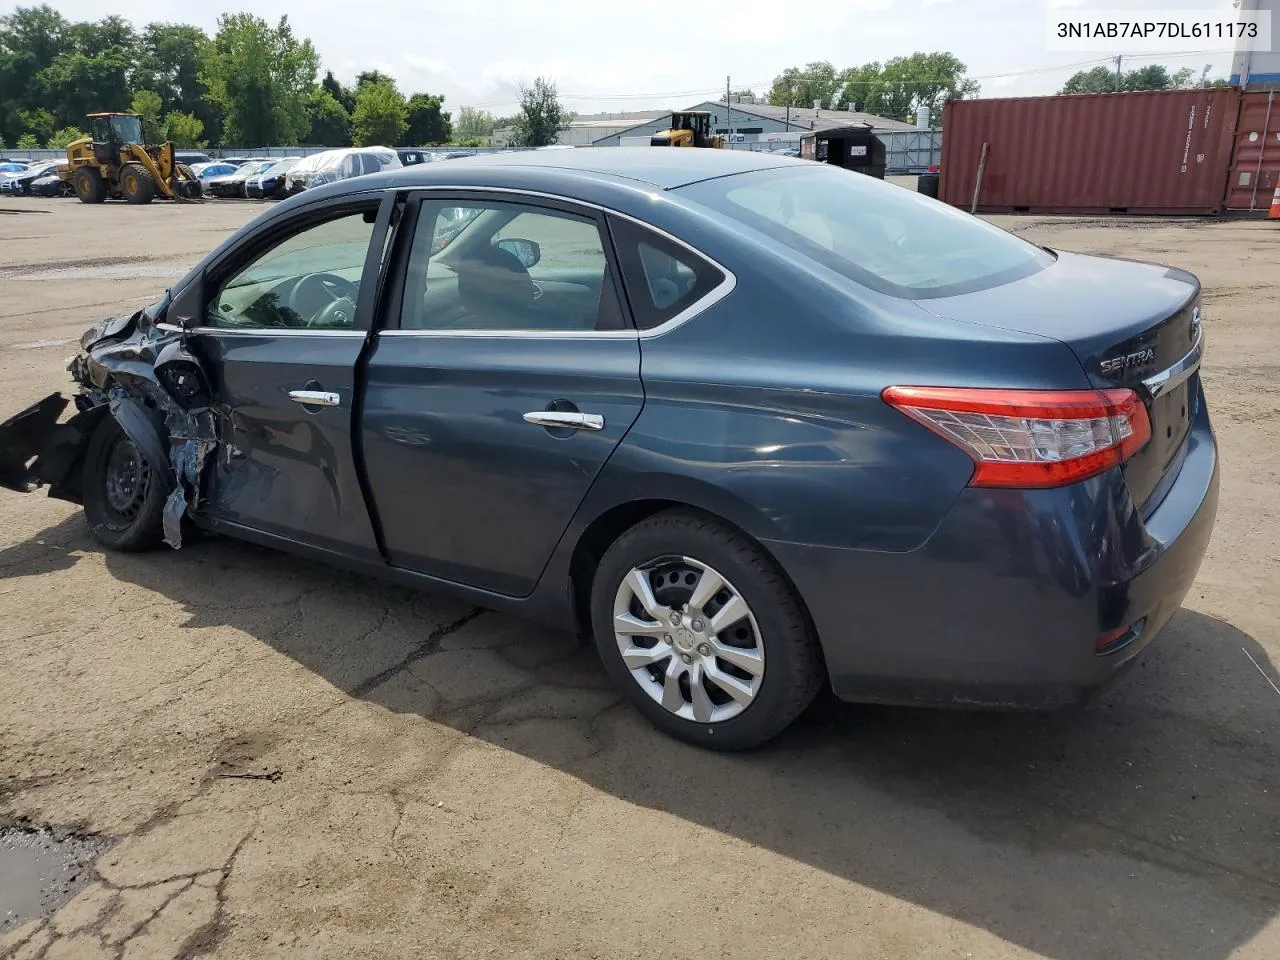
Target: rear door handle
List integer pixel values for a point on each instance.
(563, 420)
(315, 398)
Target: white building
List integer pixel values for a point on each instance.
(1259, 70)
(747, 123)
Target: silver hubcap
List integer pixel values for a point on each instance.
(689, 639)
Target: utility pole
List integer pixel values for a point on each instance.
(728, 111)
(1118, 59)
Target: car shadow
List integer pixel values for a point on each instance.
(1143, 825)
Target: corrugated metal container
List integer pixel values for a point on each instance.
(1150, 152)
(1256, 169)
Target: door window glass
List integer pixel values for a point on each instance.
(311, 280)
(507, 266)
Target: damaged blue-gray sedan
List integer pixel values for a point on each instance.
(753, 424)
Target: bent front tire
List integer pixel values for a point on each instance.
(703, 632)
(123, 494)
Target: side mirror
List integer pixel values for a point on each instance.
(528, 251)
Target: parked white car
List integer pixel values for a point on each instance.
(341, 164)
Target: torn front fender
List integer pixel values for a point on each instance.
(36, 449)
(22, 439)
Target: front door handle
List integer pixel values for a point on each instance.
(565, 420)
(315, 398)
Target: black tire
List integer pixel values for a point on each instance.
(89, 185)
(136, 183)
(793, 671)
(139, 524)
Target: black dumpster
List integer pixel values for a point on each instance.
(854, 148)
(927, 183)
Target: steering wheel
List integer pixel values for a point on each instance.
(337, 294)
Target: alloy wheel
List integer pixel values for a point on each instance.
(689, 639)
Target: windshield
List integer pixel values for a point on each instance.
(885, 237)
(127, 129)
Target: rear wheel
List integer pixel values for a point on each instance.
(89, 185)
(136, 183)
(123, 495)
(703, 632)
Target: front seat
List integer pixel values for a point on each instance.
(497, 291)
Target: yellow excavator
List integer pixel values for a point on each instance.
(116, 162)
(689, 128)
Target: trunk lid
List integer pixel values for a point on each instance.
(1127, 323)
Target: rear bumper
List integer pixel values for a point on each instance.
(1004, 604)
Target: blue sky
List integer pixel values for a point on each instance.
(608, 56)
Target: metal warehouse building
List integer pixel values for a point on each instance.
(1258, 70)
(745, 122)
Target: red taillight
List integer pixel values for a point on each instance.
(1031, 438)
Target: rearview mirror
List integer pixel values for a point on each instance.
(528, 251)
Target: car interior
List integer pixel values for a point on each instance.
(508, 267)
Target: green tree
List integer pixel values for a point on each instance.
(1097, 80)
(28, 141)
(541, 117)
(184, 129)
(1103, 80)
(467, 142)
(1153, 77)
(428, 121)
(372, 76)
(170, 63)
(343, 95)
(330, 123)
(799, 87)
(261, 77)
(925, 80)
(147, 105)
(62, 137)
(747, 94)
(30, 39)
(473, 124)
(381, 115)
(39, 122)
(94, 73)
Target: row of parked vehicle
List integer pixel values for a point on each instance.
(267, 178)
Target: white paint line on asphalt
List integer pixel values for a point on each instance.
(38, 344)
(1261, 671)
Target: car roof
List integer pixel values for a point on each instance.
(664, 167)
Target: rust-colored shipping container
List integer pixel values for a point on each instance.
(1151, 152)
(1256, 169)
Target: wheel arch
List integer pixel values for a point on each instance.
(606, 526)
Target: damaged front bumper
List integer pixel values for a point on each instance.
(139, 373)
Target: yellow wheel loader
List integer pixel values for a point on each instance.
(115, 162)
(689, 128)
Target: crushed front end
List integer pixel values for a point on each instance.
(139, 372)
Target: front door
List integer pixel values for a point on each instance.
(505, 377)
(283, 331)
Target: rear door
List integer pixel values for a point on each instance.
(284, 322)
(505, 376)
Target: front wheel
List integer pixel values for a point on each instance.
(703, 632)
(124, 495)
(89, 185)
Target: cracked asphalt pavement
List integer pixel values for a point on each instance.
(282, 760)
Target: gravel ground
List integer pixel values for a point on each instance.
(285, 761)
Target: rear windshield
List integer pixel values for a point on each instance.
(883, 236)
